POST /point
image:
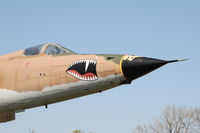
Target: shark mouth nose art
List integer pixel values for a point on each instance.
(83, 70)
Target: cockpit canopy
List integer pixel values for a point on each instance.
(47, 49)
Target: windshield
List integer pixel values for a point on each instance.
(50, 49)
(56, 50)
(53, 50)
(33, 50)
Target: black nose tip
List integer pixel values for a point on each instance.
(134, 67)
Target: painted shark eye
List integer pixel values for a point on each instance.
(83, 70)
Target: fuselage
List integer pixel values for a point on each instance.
(49, 73)
(33, 81)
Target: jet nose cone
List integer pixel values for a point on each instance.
(134, 67)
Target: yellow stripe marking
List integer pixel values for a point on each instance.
(121, 64)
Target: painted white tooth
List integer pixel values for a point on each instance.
(86, 65)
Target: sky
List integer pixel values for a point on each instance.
(164, 29)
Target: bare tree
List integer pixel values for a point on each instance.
(31, 131)
(78, 131)
(174, 120)
(81, 131)
(197, 115)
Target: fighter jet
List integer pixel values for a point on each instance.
(50, 73)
